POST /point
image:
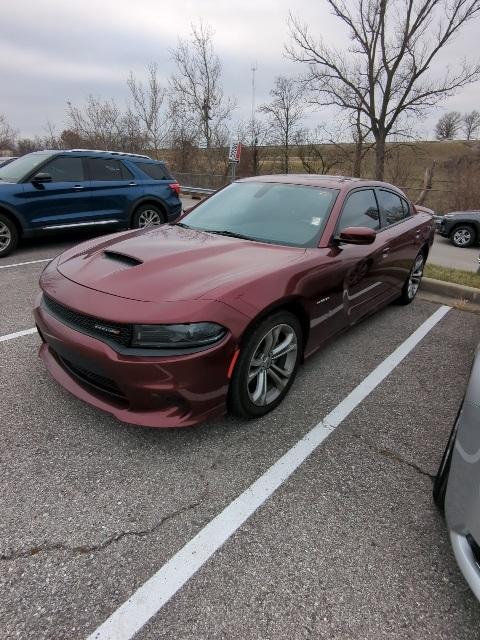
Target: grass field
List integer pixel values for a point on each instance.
(457, 276)
(452, 188)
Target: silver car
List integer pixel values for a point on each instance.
(457, 484)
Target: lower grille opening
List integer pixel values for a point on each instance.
(99, 382)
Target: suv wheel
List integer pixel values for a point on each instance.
(147, 215)
(8, 236)
(463, 236)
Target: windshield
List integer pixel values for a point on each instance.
(19, 168)
(278, 213)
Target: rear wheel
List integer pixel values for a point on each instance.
(412, 283)
(267, 366)
(463, 236)
(147, 215)
(8, 236)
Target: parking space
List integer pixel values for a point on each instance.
(350, 546)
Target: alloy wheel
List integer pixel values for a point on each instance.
(5, 236)
(416, 276)
(272, 365)
(149, 218)
(462, 237)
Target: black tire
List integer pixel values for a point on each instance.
(147, 212)
(8, 236)
(463, 236)
(410, 289)
(441, 479)
(241, 390)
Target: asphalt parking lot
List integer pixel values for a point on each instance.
(446, 255)
(350, 546)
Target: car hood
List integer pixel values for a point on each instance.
(171, 263)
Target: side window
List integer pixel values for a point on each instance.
(64, 169)
(126, 173)
(393, 207)
(106, 169)
(360, 210)
(406, 208)
(157, 170)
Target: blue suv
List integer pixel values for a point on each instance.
(60, 190)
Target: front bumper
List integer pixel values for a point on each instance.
(441, 226)
(165, 391)
(466, 561)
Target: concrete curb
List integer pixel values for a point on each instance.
(457, 295)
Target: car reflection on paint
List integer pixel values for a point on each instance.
(172, 325)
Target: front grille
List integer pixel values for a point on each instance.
(108, 331)
(93, 379)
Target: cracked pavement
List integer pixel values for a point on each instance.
(349, 547)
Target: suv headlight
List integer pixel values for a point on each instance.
(168, 336)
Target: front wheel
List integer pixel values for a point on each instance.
(147, 215)
(267, 366)
(463, 236)
(412, 283)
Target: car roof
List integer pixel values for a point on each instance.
(317, 180)
(99, 153)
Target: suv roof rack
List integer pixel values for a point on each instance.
(115, 153)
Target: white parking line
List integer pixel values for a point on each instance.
(21, 264)
(131, 616)
(17, 334)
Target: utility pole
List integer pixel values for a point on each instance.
(254, 131)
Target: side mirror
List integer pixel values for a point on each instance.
(357, 235)
(41, 178)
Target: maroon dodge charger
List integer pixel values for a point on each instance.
(170, 325)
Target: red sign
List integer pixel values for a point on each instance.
(235, 152)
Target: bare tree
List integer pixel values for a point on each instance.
(285, 112)
(196, 85)
(448, 125)
(386, 70)
(51, 140)
(352, 141)
(314, 154)
(427, 184)
(471, 124)
(147, 109)
(182, 134)
(8, 135)
(254, 135)
(99, 123)
(27, 145)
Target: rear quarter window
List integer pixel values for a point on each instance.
(156, 171)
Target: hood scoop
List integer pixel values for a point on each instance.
(122, 258)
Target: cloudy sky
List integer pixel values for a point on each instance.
(52, 51)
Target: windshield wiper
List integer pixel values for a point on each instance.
(230, 234)
(182, 224)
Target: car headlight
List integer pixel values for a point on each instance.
(197, 334)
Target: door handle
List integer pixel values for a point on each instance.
(132, 184)
(385, 252)
(77, 187)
